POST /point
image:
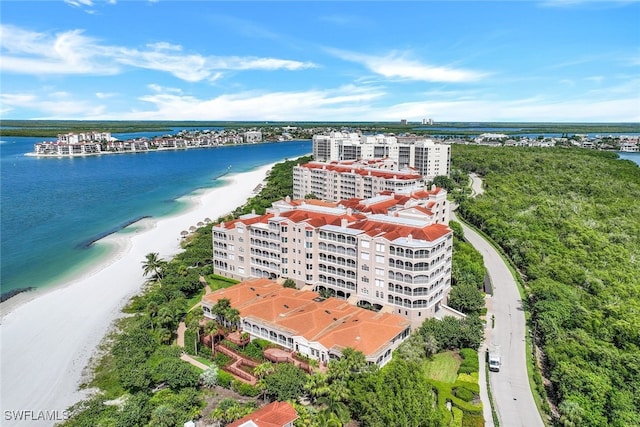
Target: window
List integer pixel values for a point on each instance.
(308, 245)
(309, 266)
(309, 233)
(231, 247)
(309, 256)
(285, 250)
(379, 272)
(283, 229)
(285, 260)
(241, 270)
(365, 243)
(379, 259)
(284, 240)
(365, 256)
(365, 280)
(379, 283)
(379, 247)
(240, 230)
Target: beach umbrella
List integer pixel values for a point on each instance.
(207, 220)
(184, 232)
(200, 224)
(192, 228)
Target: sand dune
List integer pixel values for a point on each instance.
(47, 338)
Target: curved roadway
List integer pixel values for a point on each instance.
(512, 395)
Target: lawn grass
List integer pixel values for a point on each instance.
(218, 282)
(194, 300)
(443, 367)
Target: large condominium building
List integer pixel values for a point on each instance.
(344, 180)
(429, 158)
(390, 252)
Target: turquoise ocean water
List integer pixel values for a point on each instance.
(52, 209)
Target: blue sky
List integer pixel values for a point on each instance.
(555, 60)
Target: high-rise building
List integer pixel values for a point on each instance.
(391, 252)
(344, 180)
(427, 157)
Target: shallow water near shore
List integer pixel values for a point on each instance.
(53, 209)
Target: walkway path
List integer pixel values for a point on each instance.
(193, 361)
(180, 332)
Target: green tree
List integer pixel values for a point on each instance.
(466, 298)
(337, 408)
(153, 265)
(193, 323)
(211, 329)
(135, 412)
(285, 383)
(176, 374)
(163, 416)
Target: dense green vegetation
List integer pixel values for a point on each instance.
(51, 128)
(568, 219)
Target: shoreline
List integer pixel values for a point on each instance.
(50, 335)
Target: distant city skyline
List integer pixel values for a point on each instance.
(475, 61)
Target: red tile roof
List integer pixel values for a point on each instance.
(392, 231)
(348, 167)
(275, 414)
(332, 322)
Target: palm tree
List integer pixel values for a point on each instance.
(232, 316)
(317, 386)
(430, 345)
(194, 324)
(326, 419)
(153, 264)
(263, 369)
(165, 315)
(152, 310)
(225, 313)
(211, 328)
(164, 335)
(337, 408)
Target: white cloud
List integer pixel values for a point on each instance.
(333, 104)
(105, 95)
(71, 52)
(396, 66)
(79, 3)
(54, 105)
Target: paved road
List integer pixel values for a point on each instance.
(510, 387)
(476, 185)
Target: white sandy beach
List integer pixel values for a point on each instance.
(48, 340)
